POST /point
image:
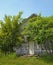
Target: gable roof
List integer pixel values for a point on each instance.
(31, 16)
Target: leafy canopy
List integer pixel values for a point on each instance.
(39, 29)
(10, 35)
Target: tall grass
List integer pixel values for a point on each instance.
(12, 59)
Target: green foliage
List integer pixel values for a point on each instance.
(10, 33)
(39, 29)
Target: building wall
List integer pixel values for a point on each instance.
(23, 49)
(28, 49)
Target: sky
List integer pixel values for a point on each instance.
(12, 7)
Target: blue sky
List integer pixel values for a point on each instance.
(12, 7)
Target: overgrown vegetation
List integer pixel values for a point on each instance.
(39, 29)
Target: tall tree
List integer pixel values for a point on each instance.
(10, 32)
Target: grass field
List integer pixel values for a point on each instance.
(24, 60)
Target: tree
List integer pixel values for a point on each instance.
(10, 33)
